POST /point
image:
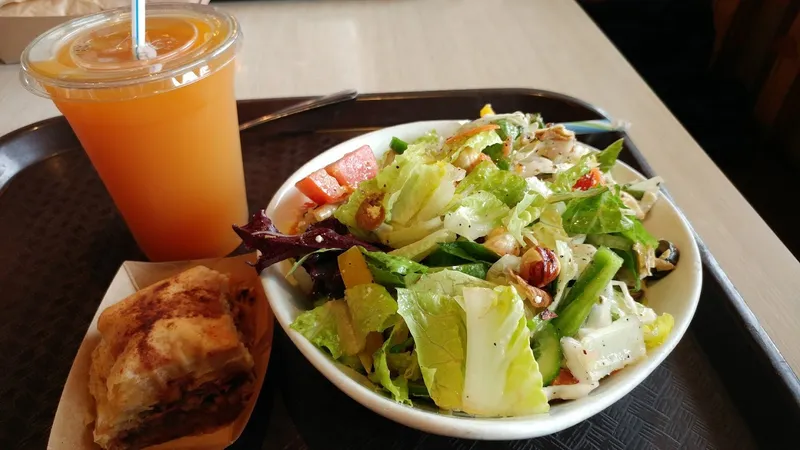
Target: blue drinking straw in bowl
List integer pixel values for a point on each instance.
(141, 49)
(596, 126)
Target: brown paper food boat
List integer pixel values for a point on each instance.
(72, 428)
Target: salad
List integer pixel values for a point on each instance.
(489, 272)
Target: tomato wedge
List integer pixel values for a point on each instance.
(588, 181)
(353, 168)
(321, 188)
(564, 378)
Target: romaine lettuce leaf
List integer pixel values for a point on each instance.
(550, 228)
(522, 215)
(397, 386)
(477, 142)
(438, 201)
(396, 264)
(476, 215)
(461, 252)
(637, 233)
(426, 148)
(437, 323)
(495, 152)
(417, 251)
(507, 130)
(477, 270)
(329, 326)
(564, 180)
(568, 271)
(397, 236)
(507, 186)
(391, 270)
(346, 213)
(604, 213)
(497, 274)
(420, 185)
(371, 307)
(448, 282)
(501, 376)
(405, 364)
(608, 157)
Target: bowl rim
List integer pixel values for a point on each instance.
(507, 428)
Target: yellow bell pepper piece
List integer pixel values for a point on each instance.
(487, 110)
(656, 333)
(354, 268)
(374, 342)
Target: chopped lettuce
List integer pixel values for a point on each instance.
(437, 323)
(477, 270)
(507, 130)
(568, 271)
(497, 274)
(405, 364)
(392, 263)
(397, 386)
(448, 282)
(420, 185)
(440, 198)
(507, 186)
(495, 152)
(346, 213)
(522, 215)
(637, 233)
(538, 186)
(550, 228)
(426, 147)
(501, 376)
(477, 142)
(622, 304)
(476, 215)
(608, 157)
(397, 236)
(461, 252)
(417, 251)
(563, 181)
(639, 189)
(371, 307)
(329, 326)
(603, 213)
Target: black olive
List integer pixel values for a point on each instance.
(668, 253)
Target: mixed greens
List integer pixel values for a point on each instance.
(490, 272)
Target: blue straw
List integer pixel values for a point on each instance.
(141, 50)
(596, 126)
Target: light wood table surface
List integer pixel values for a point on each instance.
(303, 48)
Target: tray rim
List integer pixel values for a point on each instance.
(750, 322)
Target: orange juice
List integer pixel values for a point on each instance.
(162, 133)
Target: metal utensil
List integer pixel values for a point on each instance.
(307, 105)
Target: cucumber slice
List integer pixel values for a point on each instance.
(547, 352)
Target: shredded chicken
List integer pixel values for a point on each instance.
(631, 203)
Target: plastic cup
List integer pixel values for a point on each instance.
(162, 133)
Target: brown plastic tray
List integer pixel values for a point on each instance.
(61, 241)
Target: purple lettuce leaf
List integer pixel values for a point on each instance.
(323, 268)
(273, 246)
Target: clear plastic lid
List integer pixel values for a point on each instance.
(90, 58)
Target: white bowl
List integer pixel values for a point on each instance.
(676, 294)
